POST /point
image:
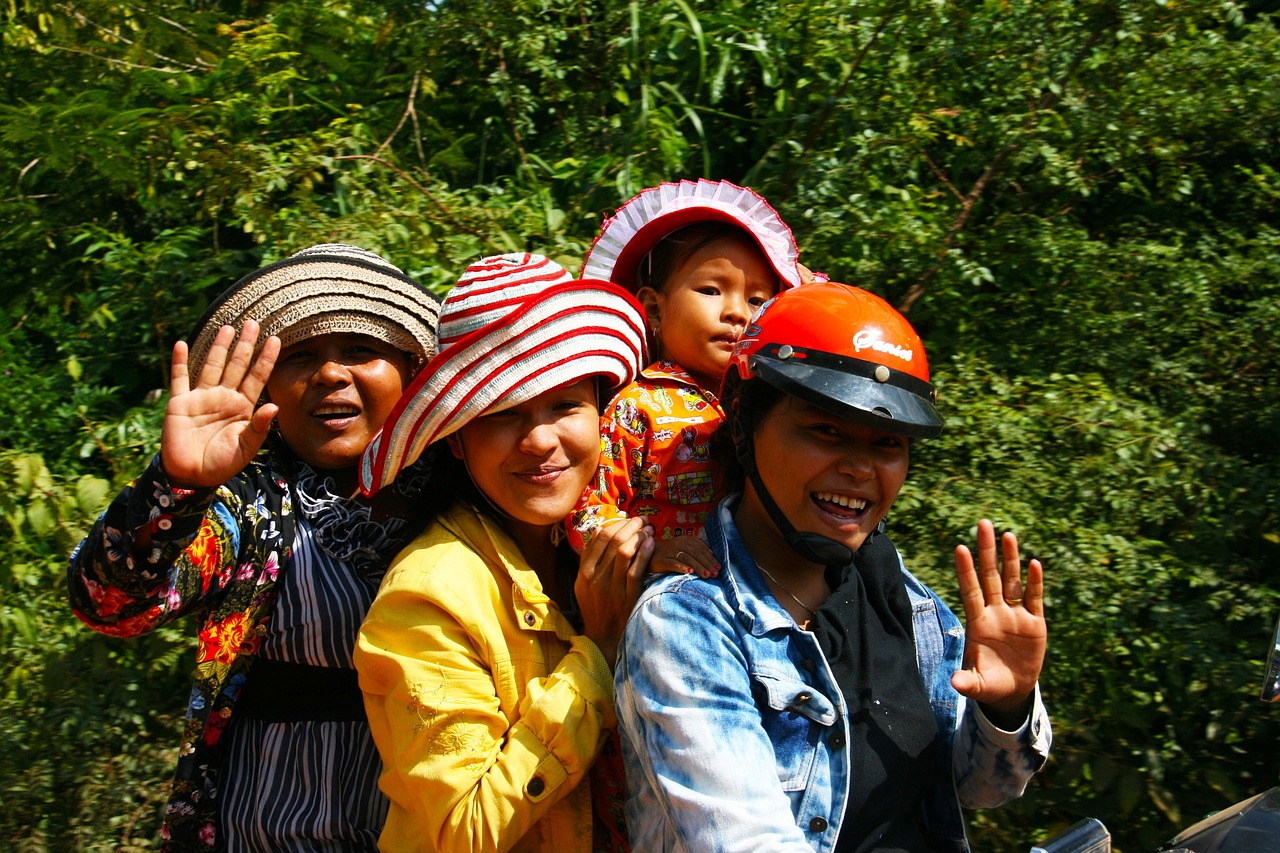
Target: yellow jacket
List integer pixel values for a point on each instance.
(487, 706)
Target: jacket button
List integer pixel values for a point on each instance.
(807, 665)
(529, 618)
(803, 697)
(818, 824)
(537, 786)
(837, 740)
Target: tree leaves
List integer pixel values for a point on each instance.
(1076, 200)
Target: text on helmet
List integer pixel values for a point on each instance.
(870, 339)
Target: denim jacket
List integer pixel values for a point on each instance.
(716, 685)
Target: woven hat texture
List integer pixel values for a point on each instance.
(328, 288)
(640, 224)
(515, 326)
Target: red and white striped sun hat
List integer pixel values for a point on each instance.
(515, 326)
(642, 223)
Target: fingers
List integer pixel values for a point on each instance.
(261, 369)
(613, 550)
(237, 365)
(228, 365)
(639, 567)
(593, 555)
(260, 421)
(179, 383)
(996, 581)
(970, 590)
(211, 371)
(685, 555)
(1011, 570)
(698, 557)
(988, 566)
(1034, 601)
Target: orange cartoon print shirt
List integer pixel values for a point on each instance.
(655, 457)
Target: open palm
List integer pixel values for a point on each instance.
(212, 430)
(1005, 630)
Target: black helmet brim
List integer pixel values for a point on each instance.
(885, 405)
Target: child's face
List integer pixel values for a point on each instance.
(705, 304)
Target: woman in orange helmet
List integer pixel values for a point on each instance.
(848, 679)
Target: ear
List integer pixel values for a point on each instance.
(455, 446)
(652, 302)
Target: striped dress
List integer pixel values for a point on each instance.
(313, 785)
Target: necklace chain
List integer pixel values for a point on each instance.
(794, 597)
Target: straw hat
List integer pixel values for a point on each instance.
(640, 224)
(515, 326)
(331, 287)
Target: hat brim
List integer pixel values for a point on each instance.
(644, 221)
(857, 398)
(311, 294)
(570, 332)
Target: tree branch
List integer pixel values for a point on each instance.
(408, 111)
(448, 214)
(970, 200)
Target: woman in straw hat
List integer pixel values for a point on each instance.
(801, 700)
(486, 660)
(275, 552)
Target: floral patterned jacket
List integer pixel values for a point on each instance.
(158, 553)
(655, 457)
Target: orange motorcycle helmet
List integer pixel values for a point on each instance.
(844, 350)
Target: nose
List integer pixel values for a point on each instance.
(735, 310)
(332, 371)
(857, 462)
(539, 438)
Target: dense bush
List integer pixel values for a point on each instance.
(1075, 201)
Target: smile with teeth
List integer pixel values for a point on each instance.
(545, 474)
(856, 505)
(336, 412)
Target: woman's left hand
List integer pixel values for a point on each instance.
(610, 579)
(1004, 628)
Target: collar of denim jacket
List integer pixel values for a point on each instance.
(744, 584)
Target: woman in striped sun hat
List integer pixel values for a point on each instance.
(249, 520)
(486, 659)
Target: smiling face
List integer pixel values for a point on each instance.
(828, 475)
(334, 392)
(533, 460)
(705, 303)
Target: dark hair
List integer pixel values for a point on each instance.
(655, 268)
(745, 405)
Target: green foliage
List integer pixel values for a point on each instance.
(1076, 201)
(85, 718)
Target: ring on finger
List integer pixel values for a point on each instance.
(1012, 602)
(680, 556)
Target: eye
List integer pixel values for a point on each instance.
(296, 356)
(570, 406)
(363, 352)
(708, 290)
(757, 301)
(825, 429)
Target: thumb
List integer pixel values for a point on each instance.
(966, 682)
(260, 422)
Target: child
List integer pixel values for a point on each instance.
(701, 257)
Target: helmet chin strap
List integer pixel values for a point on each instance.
(813, 547)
